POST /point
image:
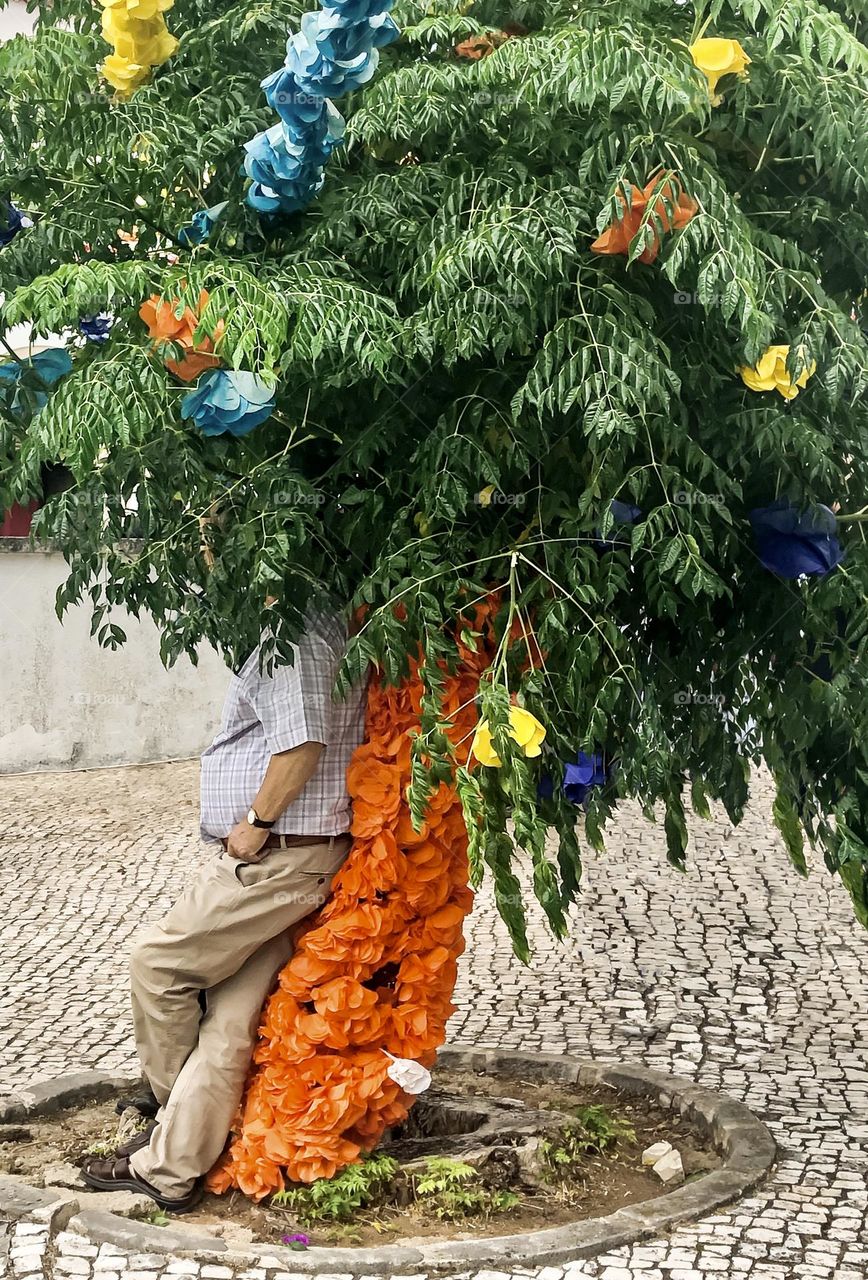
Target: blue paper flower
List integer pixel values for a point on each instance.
(96, 328)
(791, 543)
(228, 400)
(336, 51)
(579, 777)
(13, 222)
(284, 178)
(51, 365)
(331, 56)
(203, 223)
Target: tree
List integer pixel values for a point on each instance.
(573, 302)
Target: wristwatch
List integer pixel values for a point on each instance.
(254, 820)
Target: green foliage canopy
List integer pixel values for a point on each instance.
(440, 330)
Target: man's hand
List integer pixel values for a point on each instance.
(245, 842)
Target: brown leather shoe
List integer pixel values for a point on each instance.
(137, 1141)
(114, 1174)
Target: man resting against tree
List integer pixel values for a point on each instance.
(274, 794)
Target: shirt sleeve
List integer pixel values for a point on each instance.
(294, 704)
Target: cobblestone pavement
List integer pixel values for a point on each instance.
(738, 975)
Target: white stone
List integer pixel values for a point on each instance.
(669, 1168)
(651, 1155)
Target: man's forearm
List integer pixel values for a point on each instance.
(285, 779)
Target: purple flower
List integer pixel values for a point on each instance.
(297, 1241)
(791, 543)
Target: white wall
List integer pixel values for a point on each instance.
(15, 20)
(67, 703)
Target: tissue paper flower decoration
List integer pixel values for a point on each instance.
(336, 51)
(580, 776)
(52, 365)
(14, 221)
(166, 326)
(770, 373)
(791, 543)
(203, 223)
(285, 178)
(229, 401)
(137, 31)
(323, 1086)
(524, 729)
(96, 328)
(716, 58)
(411, 1076)
(617, 237)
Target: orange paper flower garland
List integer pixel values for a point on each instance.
(374, 970)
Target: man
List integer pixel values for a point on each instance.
(274, 793)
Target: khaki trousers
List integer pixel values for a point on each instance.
(229, 935)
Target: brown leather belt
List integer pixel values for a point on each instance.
(275, 841)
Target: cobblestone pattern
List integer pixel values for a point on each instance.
(738, 975)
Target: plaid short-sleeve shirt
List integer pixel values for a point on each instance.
(266, 714)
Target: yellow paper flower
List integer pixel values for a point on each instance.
(524, 729)
(123, 75)
(716, 58)
(770, 373)
(145, 43)
(143, 10)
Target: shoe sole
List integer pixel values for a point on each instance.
(132, 1184)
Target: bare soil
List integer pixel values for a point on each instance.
(602, 1184)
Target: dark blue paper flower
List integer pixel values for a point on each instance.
(624, 512)
(96, 328)
(791, 543)
(579, 777)
(199, 229)
(228, 400)
(12, 221)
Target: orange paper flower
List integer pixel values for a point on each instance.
(617, 237)
(375, 968)
(167, 327)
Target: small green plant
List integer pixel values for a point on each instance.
(337, 1199)
(594, 1132)
(454, 1189)
(101, 1148)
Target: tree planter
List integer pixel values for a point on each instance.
(745, 1145)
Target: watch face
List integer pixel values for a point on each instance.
(251, 817)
